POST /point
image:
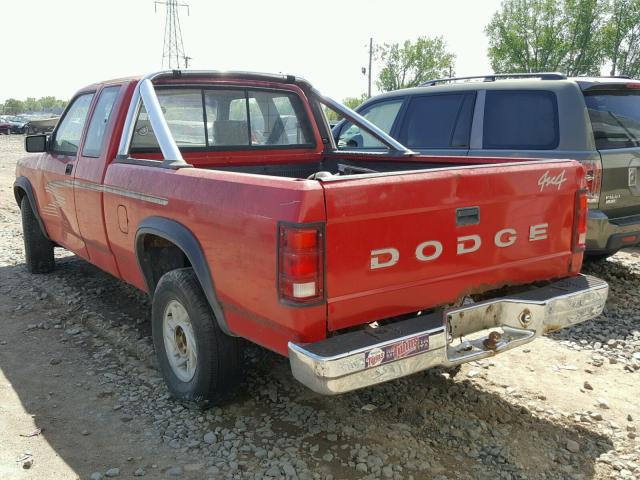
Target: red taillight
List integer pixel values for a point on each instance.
(301, 263)
(593, 180)
(580, 236)
(633, 85)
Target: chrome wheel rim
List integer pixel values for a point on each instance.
(179, 341)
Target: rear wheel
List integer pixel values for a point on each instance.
(198, 360)
(38, 249)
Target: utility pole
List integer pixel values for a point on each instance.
(173, 48)
(370, 59)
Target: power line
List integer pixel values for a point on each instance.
(173, 55)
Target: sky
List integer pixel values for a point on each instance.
(57, 47)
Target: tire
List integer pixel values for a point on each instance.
(38, 250)
(217, 369)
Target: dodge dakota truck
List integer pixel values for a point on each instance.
(223, 196)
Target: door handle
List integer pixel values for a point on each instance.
(68, 169)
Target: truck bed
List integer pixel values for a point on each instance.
(344, 163)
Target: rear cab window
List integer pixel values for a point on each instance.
(615, 118)
(438, 121)
(227, 118)
(521, 120)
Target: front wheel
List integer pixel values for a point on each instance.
(38, 249)
(199, 362)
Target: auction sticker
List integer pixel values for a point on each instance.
(396, 351)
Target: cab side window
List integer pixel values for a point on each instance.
(99, 122)
(382, 115)
(69, 131)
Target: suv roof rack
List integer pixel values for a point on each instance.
(625, 77)
(498, 76)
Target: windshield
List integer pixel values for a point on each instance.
(615, 117)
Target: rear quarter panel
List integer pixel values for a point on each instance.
(234, 217)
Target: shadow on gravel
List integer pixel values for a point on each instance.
(424, 425)
(621, 317)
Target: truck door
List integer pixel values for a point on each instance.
(58, 164)
(88, 180)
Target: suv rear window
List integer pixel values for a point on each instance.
(615, 118)
(521, 120)
(437, 121)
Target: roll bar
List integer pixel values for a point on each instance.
(145, 95)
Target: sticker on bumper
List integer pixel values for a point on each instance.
(396, 351)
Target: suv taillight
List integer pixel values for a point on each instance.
(593, 179)
(580, 235)
(301, 263)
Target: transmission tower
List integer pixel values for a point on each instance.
(173, 55)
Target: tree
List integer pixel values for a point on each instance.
(584, 47)
(48, 103)
(547, 35)
(330, 114)
(31, 104)
(354, 102)
(412, 63)
(13, 106)
(621, 36)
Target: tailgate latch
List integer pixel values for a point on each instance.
(467, 216)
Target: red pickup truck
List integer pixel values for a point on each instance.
(224, 197)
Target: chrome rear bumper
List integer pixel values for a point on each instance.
(366, 357)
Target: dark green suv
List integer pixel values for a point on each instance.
(542, 115)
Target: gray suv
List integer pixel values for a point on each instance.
(545, 115)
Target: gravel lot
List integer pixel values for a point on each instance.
(76, 360)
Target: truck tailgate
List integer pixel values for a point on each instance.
(401, 242)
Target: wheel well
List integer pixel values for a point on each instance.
(19, 193)
(157, 256)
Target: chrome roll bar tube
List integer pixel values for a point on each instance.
(145, 94)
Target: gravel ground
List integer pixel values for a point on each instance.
(76, 359)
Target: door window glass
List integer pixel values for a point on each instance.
(521, 120)
(382, 115)
(99, 121)
(437, 121)
(615, 117)
(69, 132)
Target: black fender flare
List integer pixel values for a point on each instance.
(186, 241)
(23, 184)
